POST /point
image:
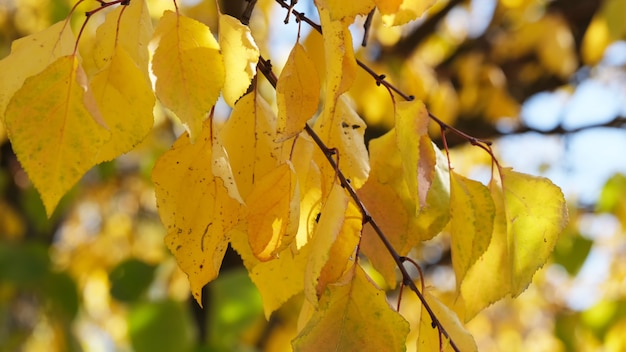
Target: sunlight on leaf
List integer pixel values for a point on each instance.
(127, 27)
(429, 337)
(416, 148)
(195, 208)
(530, 214)
(241, 55)
(189, 69)
(328, 228)
(297, 92)
(340, 10)
(274, 212)
(249, 139)
(408, 11)
(125, 100)
(471, 222)
(60, 140)
(353, 315)
(31, 55)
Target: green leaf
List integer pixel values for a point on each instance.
(130, 279)
(163, 326)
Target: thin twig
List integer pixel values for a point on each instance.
(265, 69)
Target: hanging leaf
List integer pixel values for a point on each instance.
(273, 216)
(416, 148)
(249, 138)
(60, 140)
(126, 101)
(297, 93)
(189, 69)
(195, 208)
(340, 10)
(408, 11)
(530, 214)
(429, 338)
(241, 55)
(127, 27)
(471, 222)
(353, 315)
(31, 55)
(328, 228)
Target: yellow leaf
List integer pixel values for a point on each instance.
(607, 26)
(31, 55)
(556, 48)
(416, 148)
(241, 55)
(328, 228)
(340, 10)
(274, 212)
(388, 7)
(408, 11)
(387, 197)
(339, 56)
(353, 316)
(284, 272)
(429, 337)
(342, 253)
(189, 69)
(127, 27)
(195, 208)
(50, 122)
(343, 129)
(297, 93)
(530, 214)
(248, 137)
(125, 100)
(471, 222)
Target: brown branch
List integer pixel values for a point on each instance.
(265, 68)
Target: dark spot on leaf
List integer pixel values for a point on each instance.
(344, 124)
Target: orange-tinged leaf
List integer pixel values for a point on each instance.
(125, 100)
(297, 92)
(416, 148)
(343, 129)
(353, 316)
(128, 27)
(273, 212)
(429, 337)
(340, 10)
(387, 197)
(31, 55)
(342, 253)
(248, 137)
(471, 222)
(189, 69)
(530, 214)
(195, 208)
(328, 228)
(408, 11)
(241, 55)
(50, 122)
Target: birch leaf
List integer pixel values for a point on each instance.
(189, 69)
(31, 55)
(530, 214)
(297, 93)
(353, 315)
(60, 139)
(241, 55)
(195, 208)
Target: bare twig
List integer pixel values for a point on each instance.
(265, 69)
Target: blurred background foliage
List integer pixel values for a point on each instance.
(97, 277)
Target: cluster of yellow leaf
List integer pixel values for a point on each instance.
(260, 184)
